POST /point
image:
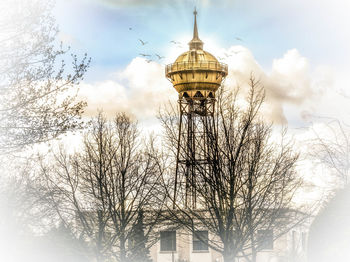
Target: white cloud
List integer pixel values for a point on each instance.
(294, 90)
(140, 90)
(288, 82)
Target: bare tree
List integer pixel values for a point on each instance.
(24, 215)
(105, 194)
(37, 94)
(244, 191)
(332, 149)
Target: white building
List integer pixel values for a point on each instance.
(182, 246)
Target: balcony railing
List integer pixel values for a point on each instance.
(200, 65)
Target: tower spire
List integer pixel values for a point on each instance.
(195, 43)
(195, 30)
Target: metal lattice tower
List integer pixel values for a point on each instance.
(196, 75)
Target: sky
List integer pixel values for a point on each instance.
(284, 40)
(298, 49)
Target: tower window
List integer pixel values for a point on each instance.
(198, 94)
(265, 239)
(200, 240)
(168, 241)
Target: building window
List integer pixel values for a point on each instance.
(168, 241)
(265, 239)
(200, 240)
(303, 241)
(294, 240)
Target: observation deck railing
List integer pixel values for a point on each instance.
(200, 65)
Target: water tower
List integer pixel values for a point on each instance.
(196, 75)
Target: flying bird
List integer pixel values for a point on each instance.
(130, 28)
(174, 42)
(144, 55)
(159, 56)
(149, 60)
(235, 52)
(238, 39)
(142, 42)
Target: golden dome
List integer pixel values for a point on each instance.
(196, 56)
(196, 74)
